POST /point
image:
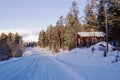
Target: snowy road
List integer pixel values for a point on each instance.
(38, 64)
(37, 67)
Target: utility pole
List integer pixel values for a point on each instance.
(106, 25)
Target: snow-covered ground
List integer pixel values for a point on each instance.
(78, 64)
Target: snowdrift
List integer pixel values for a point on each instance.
(102, 46)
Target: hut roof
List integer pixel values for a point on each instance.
(90, 34)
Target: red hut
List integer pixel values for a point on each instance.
(88, 38)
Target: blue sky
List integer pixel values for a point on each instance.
(34, 15)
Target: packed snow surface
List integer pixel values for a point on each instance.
(77, 64)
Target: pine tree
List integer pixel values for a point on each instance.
(10, 42)
(90, 16)
(114, 19)
(72, 26)
(72, 17)
(11, 46)
(101, 16)
(63, 34)
(70, 35)
(49, 34)
(42, 39)
(4, 50)
(18, 46)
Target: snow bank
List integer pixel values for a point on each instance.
(102, 46)
(85, 56)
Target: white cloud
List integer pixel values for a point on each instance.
(28, 35)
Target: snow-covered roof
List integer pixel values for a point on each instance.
(88, 34)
